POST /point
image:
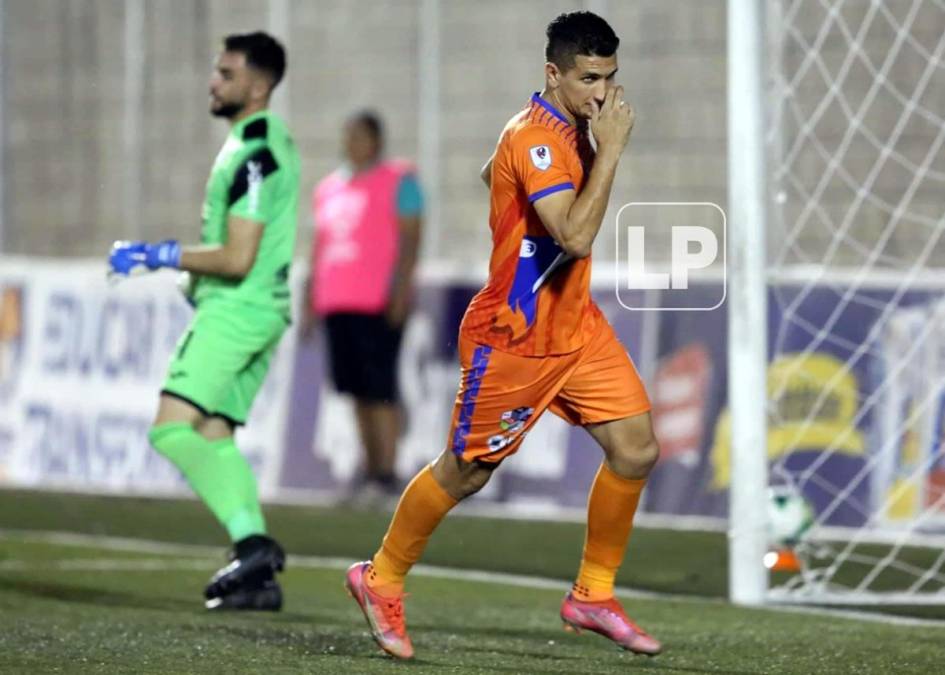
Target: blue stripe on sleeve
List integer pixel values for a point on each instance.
(550, 191)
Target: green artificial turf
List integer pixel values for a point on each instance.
(87, 607)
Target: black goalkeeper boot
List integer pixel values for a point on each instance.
(265, 596)
(249, 578)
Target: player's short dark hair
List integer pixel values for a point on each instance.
(370, 120)
(578, 33)
(262, 52)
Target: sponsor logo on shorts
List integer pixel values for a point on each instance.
(499, 442)
(512, 422)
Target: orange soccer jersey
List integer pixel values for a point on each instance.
(532, 339)
(537, 300)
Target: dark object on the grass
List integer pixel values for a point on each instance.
(248, 581)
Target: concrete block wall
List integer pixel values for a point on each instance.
(68, 168)
(72, 186)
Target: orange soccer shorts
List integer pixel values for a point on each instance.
(502, 395)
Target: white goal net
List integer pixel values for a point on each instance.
(856, 230)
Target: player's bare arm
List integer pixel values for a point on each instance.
(574, 220)
(408, 251)
(234, 259)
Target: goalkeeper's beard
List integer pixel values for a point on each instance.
(227, 110)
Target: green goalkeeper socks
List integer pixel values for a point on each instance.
(217, 472)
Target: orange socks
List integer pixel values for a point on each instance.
(610, 508)
(421, 508)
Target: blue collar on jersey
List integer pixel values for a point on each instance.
(536, 98)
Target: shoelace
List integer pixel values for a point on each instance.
(393, 612)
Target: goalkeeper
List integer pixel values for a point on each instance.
(241, 294)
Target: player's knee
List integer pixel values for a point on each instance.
(460, 478)
(475, 478)
(155, 438)
(635, 460)
(650, 454)
(469, 479)
(216, 428)
(165, 439)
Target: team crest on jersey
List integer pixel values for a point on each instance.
(541, 156)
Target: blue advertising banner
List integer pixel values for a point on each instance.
(855, 391)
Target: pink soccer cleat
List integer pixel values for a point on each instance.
(384, 615)
(608, 619)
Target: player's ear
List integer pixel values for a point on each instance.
(552, 75)
(260, 87)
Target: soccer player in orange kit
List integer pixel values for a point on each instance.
(533, 340)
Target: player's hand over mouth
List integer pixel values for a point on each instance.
(612, 121)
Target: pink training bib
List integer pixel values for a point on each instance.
(356, 238)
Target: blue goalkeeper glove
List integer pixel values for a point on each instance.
(130, 257)
(126, 257)
(162, 254)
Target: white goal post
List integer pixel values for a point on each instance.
(747, 301)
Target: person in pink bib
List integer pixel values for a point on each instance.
(368, 218)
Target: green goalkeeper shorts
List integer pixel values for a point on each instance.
(222, 359)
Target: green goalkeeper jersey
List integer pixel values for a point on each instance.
(255, 176)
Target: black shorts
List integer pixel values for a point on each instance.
(363, 350)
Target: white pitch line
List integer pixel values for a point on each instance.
(111, 543)
(104, 565)
(204, 557)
